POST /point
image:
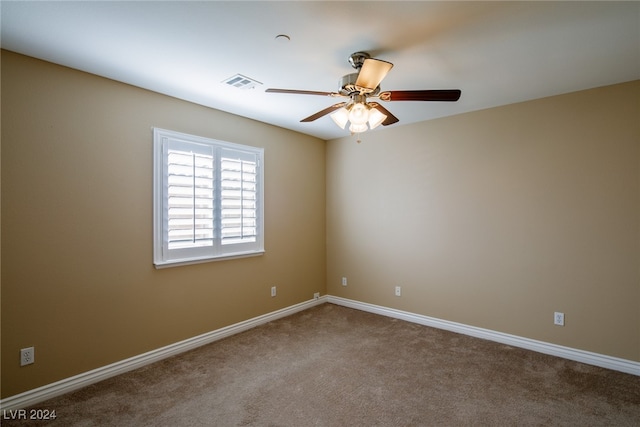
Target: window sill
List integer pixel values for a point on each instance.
(189, 261)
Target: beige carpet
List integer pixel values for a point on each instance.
(334, 366)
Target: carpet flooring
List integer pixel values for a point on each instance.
(335, 366)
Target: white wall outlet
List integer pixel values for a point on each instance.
(316, 295)
(398, 291)
(27, 356)
(558, 318)
(273, 291)
(344, 281)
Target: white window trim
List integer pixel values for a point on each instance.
(217, 253)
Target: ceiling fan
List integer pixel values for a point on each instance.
(359, 87)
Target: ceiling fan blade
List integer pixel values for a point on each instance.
(421, 95)
(302, 92)
(372, 73)
(391, 119)
(324, 112)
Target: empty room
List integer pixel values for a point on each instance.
(331, 213)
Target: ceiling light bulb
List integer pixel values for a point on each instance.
(340, 117)
(376, 118)
(359, 114)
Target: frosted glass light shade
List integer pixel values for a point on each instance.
(356, 128)
(376, 118)
(359, 114)
(340, 117)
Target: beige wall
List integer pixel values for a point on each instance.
(498, 218)
(78, 281)
(495, 219)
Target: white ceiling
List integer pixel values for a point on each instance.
(497, 53)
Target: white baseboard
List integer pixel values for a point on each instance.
(40, 394)
(603, 361)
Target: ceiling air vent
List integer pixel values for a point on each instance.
(241, 82)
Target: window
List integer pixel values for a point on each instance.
(207, 199)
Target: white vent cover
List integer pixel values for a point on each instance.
(241, 82)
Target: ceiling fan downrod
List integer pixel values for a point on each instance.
(357, 59)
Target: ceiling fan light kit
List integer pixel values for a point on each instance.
(358, 114)
(361, 86)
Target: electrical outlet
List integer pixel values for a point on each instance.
(344, 281)
(316, 295)
(398, 291)
(27, 356)
(273, 291)
(558, 318)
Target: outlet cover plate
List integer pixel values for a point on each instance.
(27, 356)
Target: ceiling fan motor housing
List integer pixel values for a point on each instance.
(348, 86)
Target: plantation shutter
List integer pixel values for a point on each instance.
(190, 195)
(238, 197)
